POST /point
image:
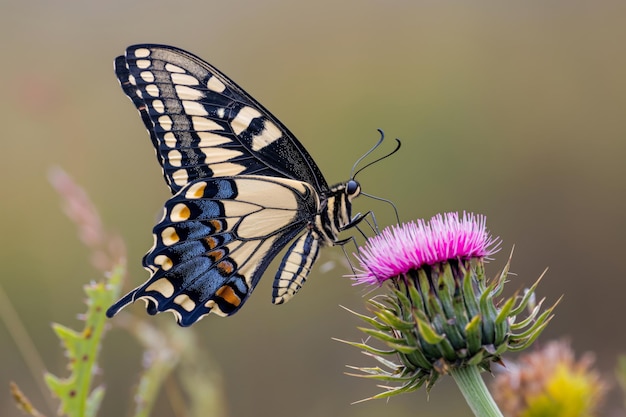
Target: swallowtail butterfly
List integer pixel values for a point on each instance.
(243, 188)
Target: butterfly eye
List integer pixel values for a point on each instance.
(353, 188)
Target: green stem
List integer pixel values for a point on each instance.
(475, 391)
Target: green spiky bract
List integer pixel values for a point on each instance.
(444, 317)
(82, 348)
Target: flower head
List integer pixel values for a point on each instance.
(398, 249)
(550, 382)
(440, 314)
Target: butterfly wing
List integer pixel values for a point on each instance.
(243, 188)
(203, 125)
(216, 238)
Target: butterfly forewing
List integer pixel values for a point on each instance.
(203, 125)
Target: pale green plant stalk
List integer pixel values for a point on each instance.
(82, 348)
(475, 391)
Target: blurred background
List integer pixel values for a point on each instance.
(510, 109)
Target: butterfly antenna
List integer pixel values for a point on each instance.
(382, 136)
(366, 154)
(391, 203)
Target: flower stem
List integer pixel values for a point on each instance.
(475, 391)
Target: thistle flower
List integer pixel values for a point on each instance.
(439, 315)
(400, 249)
(550, 382)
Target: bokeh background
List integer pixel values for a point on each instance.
(511, 109)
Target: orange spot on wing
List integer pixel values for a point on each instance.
(180, 212)
(228, 295)
(197, 191)
(169, 236)
(216, 255)
(211, 242)
(217, 225)
(225, 268)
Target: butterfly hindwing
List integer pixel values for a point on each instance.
(204, 125)
(215, 240)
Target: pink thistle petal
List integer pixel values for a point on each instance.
(398, 249)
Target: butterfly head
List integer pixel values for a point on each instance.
(346, 191)
(352, 189)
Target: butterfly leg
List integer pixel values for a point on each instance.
(358, 218)
(374, 224)
(343, 244)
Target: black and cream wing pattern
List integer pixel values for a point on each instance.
(243, 188)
